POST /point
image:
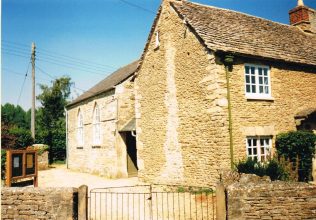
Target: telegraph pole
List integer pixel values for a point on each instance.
(33, 92)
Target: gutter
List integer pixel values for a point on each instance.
(67, 150)
(228, 62)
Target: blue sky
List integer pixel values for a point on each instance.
(87, 40)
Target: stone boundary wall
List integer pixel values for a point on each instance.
(39, 203)
(259, 198)
(43, 161)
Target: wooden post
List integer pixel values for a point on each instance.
(220, 202)
(35, 181)
(33, 92)
(8, 169)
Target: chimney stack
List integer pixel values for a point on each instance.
(303, 17)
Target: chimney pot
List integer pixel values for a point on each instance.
(300, 3)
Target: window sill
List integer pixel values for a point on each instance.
(96, 146)
(259, 98)
(80, 148)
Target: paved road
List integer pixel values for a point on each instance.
(59, 176)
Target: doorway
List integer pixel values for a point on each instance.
(131, 155)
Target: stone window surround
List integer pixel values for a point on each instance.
(80, 136)
(257, 95)
(96, 126)
(260, 144)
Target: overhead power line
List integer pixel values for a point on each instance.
(15, 43)
(55, 77)
(15, 54)
(138, 6)
(27, 70)
(61, 62)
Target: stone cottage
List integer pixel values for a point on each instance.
(101, 127)
(215, 86)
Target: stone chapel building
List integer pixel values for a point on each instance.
(101, 127)
(214, 86)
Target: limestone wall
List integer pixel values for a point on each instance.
(181, 109)
(39, 203)
(42, 161)
(100, 159)
(257, 199)
(292, 91)
(181, 106)
(108, 158)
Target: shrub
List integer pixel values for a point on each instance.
(23, 138)
(3, 163)
(272, 168)
(299, 148)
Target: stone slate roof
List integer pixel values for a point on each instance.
(108, 83)
(229, 31)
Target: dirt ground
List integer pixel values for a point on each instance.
(60, 176)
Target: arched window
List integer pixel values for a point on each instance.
(96, 126)
(80, 128)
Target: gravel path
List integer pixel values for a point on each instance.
(60, 176)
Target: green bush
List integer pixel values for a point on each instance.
(272, 168)
(3, 162)
(23, 138)
(298, 147)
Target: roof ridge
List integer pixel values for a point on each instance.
(244, 13)
(247, 34)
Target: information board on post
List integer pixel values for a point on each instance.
(21, 164)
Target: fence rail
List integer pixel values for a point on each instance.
(152, 202)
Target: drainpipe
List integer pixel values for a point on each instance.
(66, 113)
(228, 62)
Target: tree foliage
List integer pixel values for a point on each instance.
(15, 115)
(298, 147)
(51, 118)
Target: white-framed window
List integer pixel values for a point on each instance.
(257, 81)
(259, 148)
(80, 128)
(96, 125)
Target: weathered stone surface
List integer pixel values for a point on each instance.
(256, 198)
(58, 203)
(109, 157)
(181, 108)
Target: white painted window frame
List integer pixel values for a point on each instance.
(257, 95)
(267, 147)
(80, 139)
(96, 126)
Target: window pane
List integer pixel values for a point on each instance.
(247, 88)
(249, 151)
(247, 79)
(267, 141)
(266, 90)
(253, 89)
(266, 81)
(262, 150)
(262, 158)
(261, 142)
(249, 142)
(265, 71)
(252, 71)
(254, 151)
(260, 89)
(247, 69)
(254, 142)
(253, 79)
(260, 80)
(260, 71)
